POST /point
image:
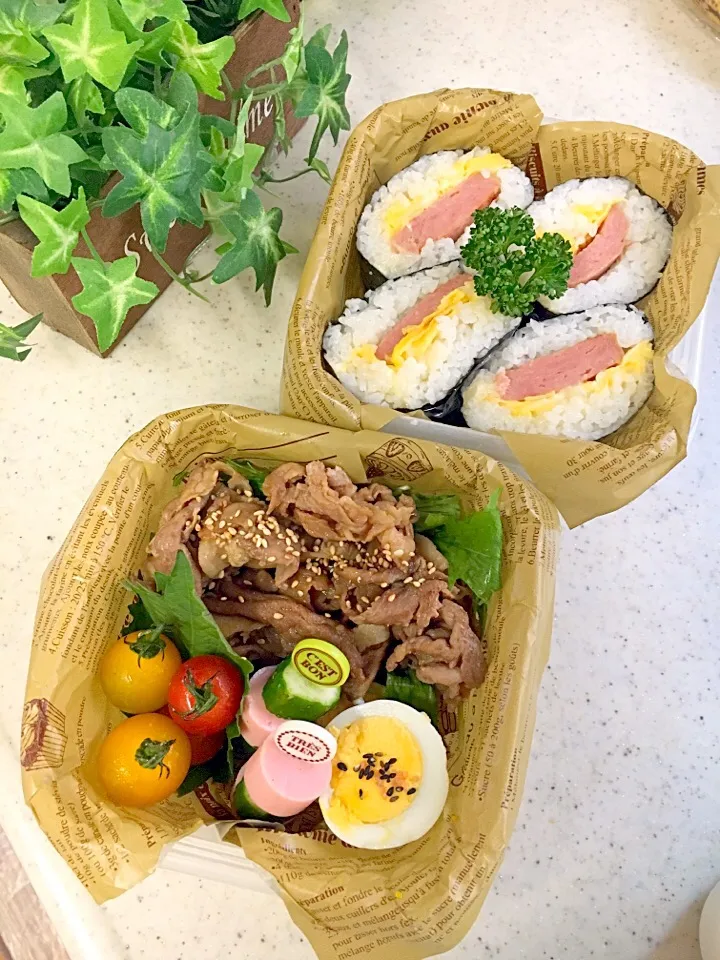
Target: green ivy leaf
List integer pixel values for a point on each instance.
(201, 61)
(12, 339)
(90, 174)
(18, 44)
(182, 93)
(155, 43)
(32, 138)
(292, 56)
(162, 171)
(89, 44)
(12, 80)
(140, 11)
(109, 291)
(57, 230)
(319, 166)
(256, 244)
(141, 109)
(239, 174)
(212, 128)
(34, 14)
(15, 182)
(276, 8)
(84, 97)
(321, 92)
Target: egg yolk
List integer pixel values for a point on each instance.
(404, 208)
(376, 773)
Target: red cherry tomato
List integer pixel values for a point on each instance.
(204, 695)
(203, 749)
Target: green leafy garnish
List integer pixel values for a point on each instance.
(472, 547)
(140, 619)
(434, 509)
(215, 769)
(512, 266)
(109, 291)
(12, 339)
(177, 604)
(256, 475)
(404, 686)
(57, 231)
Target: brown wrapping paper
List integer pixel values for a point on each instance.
(414, 901)
(583, 479)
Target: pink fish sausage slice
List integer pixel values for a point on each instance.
(450, 215)
(604, 249)
(291, 769)
(564, 368)
(256, 721)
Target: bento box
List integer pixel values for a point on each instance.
(583, 477)
(419, 898)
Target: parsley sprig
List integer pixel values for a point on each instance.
(512, 266)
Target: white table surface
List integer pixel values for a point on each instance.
(617, 842)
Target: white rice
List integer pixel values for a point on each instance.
(464, 335)
(373, 240)
(586, 411)
(647, 246)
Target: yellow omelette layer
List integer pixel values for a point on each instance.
(403, 209)
(581, 223)
(419, 339)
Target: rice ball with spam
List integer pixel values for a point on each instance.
(620, 240)
(410, 341)
(579, 376)
(422, 216)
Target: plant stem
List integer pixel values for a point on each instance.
(205, 276)
(9, 218)
(235, 104)
(157, 81)
(263, 68)
(268, 178)
(91, 247)
(176, 276)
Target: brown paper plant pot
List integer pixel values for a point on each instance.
(258, 39)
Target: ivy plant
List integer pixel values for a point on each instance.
(99, 108)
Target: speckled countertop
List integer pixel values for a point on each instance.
(618, 838)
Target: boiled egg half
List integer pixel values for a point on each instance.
(389, 781)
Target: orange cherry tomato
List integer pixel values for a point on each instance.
(143, 760)
(136, 671)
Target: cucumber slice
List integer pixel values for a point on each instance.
(245, 808)
(289, 695)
